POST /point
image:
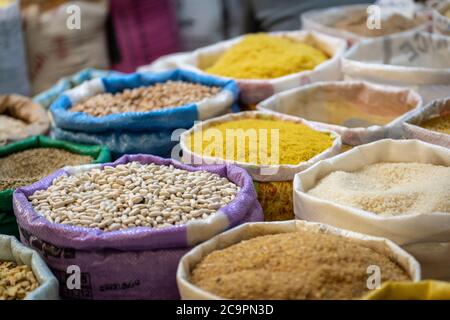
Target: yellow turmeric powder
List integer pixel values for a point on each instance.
(261, 56)
(439, 124)
(260, 141)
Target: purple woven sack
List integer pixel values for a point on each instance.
(136, 263)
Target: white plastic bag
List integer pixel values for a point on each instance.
(417, 60)
(425, 236)
(189, 291)
(13, 250)
(254, 91)
(359, 111)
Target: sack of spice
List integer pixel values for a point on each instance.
(264, 64)
(359, 111)
(431, 124)
(141, 208)
(271, 147)
(295, 260)
(29, 160)
(23, 273)
(21, 118)
(350, 22)
(441, 18)
(422, 290)
(137, 113)
(397, 189)
(417, 60)
(47, 97)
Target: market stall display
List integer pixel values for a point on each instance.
(397, 189)
(268, 260)
(359, 111)
(27, 161)
(272, 148)
(103, 252)
(24, 274)
(149, 128)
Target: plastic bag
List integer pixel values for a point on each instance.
(13, 67)
(104, 257)
(417, 60)
(189, 291)
(138, 132)
(13, 250)
(254, 91)
(8, 223)
(412, 129)
(34, 117)
(425, 236)
(423, 290)
(359, 111)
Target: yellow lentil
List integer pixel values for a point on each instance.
(439, 124)
(261, 56)
(296, 142)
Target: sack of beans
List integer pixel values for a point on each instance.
(417, 60)
(137, 113)
(431, 124)
(27, 161)
(291, 260)
(47, 97)
(359, 111)
(141, 208)
(406, 290)
(350, 22)
(441, 19)
(271, 147)
(21, 118)
(396, 189)
(23, 273)
(264, 64)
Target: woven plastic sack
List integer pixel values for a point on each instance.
(359, 111)
(13, 67)
(47, 97)
(136, 263)
(417, 60)
(22, 108)
(138, 132)
(275, 198)
(254, 91)
(189, 291)
(425, 236)
(13, 250)
(8, 223)
(423, 290)
(412, 129)
(323, 20)
(441, 19)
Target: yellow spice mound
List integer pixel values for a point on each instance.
(439, 124)
(260, 141)
(260, 56)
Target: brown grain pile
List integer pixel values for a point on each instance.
(16, 281)
(296, 265)
(158, 96)
(26, 167)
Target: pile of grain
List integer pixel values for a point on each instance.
(439, 124)
(389, 189)
(297, 265)
(10, 127)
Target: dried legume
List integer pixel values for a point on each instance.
(296, 265)
(439, 124)
(26, 167)
(16, 280)
(158, 96)
(389, 189)
(133, 195)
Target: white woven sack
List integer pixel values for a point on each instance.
(283, 172)
(324, 105)
(189, 291)
(425, 236)
(417, 60)
(252, 90)
(13, 250)
(441, 23)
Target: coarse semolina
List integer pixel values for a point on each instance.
(389, 189)
(262, 56)
(439, 124)
(295, 265)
